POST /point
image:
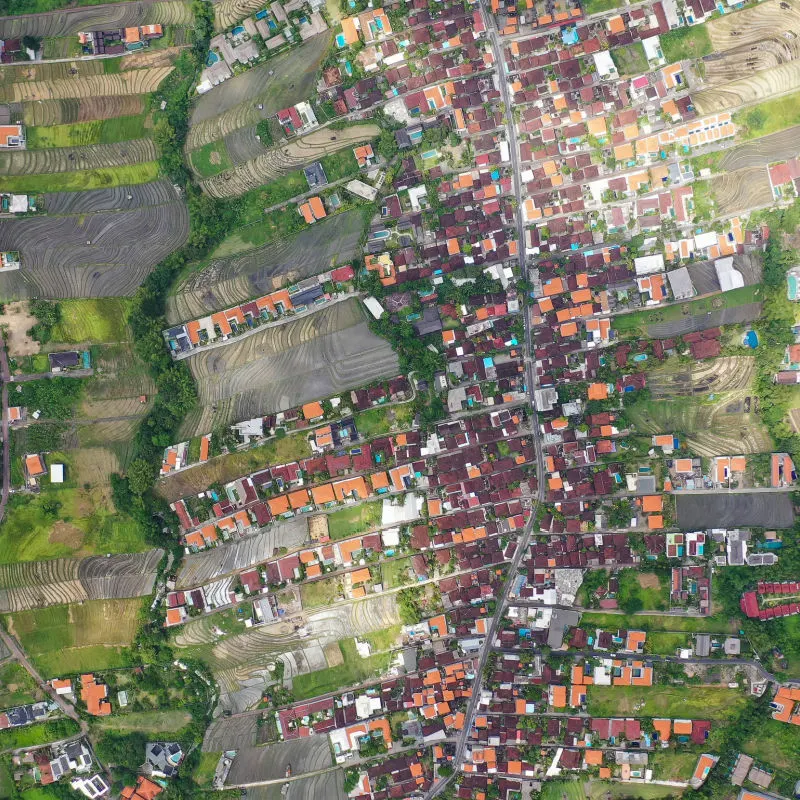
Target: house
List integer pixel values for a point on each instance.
(65, 360)
(705, 764)
(145, 789)
(93, 788)
(94, 695)
(12, 136)
(163, 758)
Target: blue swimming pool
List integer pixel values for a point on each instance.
(751, 340)
(261, 14)
(380, 235)
(211, 58)
(340, 40)
(429, 154)
(238, 30)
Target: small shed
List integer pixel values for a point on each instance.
(56, 473)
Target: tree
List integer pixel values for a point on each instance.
(141, 475)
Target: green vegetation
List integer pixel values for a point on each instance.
(353, 671)
(385, 639)
(665, 644)
(600, 6)
(683, 44)
(637, 592)
(630, 60)
(81, 180)
(410, 604)
(316, 594)
(211, 159)
(16, 686)
(645, 622)
(378, 421)
(106, 131)
(777, 745)
(699, 702)
(91, 320)
(635, 324)
(56, 398)
(153, 722)
(395, 573)
(47, 316)
(768, 117)
(12, 7)
(703, 201)
(38, 733)
(582, 789)
(674, 765)
(206, 768)
(353, 520)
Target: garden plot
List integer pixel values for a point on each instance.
(232, 279)
(228, 12)
(103, 254)
(62, 112)
(765, 21)
(138, 81)
(762, 509)
(747, 90)
(68, 22)
(68, 159)
(703, 378)
(199, 568)
(278, 161)
(269, 763)
(765, 150)
(318, 355)
(727, 425)
(735, 192)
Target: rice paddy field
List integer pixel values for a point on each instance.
(763, 150)
(736, 192)
(46, 113)
(317, 355)
(108, 131)
(77, 638)
(605, 790)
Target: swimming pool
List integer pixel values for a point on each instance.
(380, 235)
(791, 280)
(211, 58)
(751, 340)
(261, 14)
(340, 40)
(429, 154)
(238, 30)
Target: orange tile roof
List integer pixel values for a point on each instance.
(94, 695)
(34, 465)
(317, 208)
(313, 410)
(278, 505)
(323, 494)
(652, 502)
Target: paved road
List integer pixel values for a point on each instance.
(72, 373)
(4, 376)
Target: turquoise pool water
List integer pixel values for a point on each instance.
(792, 281)
(340, 42)
(211, 58)
(380, 235)
(429, 154)
(238, 30)
(751, 340)
(261, 14)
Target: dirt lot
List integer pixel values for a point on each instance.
(762, 509)
(648, 580)
(17, 322)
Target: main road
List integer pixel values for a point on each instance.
(524, 540)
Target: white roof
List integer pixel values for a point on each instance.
(604, 63)
(647, 265)
(374, 307)
(704, 240)
(728, 276)
(56, 473)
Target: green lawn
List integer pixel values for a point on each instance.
(599, 6)
(681, 702)
(60, 47)
(107, 131)
(279, 224)
(168, 721)
(353, 520)
(653, 622)
(92, 320)
(674, 764)
(640, 585)
(703, 201)
(16, 686)
(686, 43)
(211, 159)
(38, 733)
(587, 789)
(317, 594)
(82, 179)
(353, 671)
(768, 117)
(634, 324)
(383, 419)
(206, 767)
(630, 60)
(385, 639)
(395, 573)
(665, 644)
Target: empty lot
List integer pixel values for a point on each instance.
(761, 509)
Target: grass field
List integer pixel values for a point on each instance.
(600, 790)
(379, 421)
(317, 594)
(665, 644)
(686, 43)
(354, 520)
(395, 573)
(89, 636)
(106, 131)
(654, 622)
(635, 324)
(82, 179)
(170, 721)
(778, 745)
(674, 765)
(599, 6)
(682, 702)
(206, 767)
(92, 320)
(386, 639)
(354, 670)
(630, 60)
(37, 734)
(16, 686)
(211, 159)
(768, 117)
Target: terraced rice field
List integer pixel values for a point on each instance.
(234, 103)
(747, 90)
(268, 763)
(762, 151)
(150, 58)
(68, 22)
(35, 584)
(317, 355)
(227, 12)
(139, 81)
(749, 58)
(69, 159)
(240, 662)
(713, 375)
(329, 786)
(61, 112)
(94, 253)
(765, 21)
(279, 161)
(710, 428)
(200, 568)
(735, 192)
(235, 278)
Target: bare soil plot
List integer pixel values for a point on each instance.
(236, 278)
(317, 355)
(738, 191)
(234, 103)
(764, 150)
(227, 12)
(762, 509)
(269, 763)
(95, 465)
(742, 61)
(150, 58)
(762, 22)
(794, 419)
(68, 159)
(17, 321)
(68, 22)
(278, 161)
(102, 254)
(61, 112)
(200, 568)
(139, 81)
(746, 90)
(703, 378)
